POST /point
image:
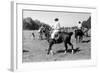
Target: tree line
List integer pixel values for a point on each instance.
(30, 24)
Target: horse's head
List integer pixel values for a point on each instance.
(71, 33)
(41, 29)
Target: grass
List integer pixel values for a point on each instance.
(34, 50)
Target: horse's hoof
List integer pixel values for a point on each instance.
(65, 52)
(51, 52)
(72, 51)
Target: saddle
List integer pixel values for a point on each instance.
(57, 35)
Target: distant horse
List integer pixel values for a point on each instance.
(46, 31)
(79, 35)
(64, 37)
(40, 31)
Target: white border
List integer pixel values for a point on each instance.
(17, 35)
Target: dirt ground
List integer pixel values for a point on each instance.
(34, 50)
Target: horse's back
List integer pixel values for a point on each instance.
(67, 36)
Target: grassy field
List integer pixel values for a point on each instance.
(35, 50)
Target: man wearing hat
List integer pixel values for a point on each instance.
(56, 28)
(79, 25)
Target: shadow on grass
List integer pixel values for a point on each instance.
(85, 41)
(69, 51)
(25, 51)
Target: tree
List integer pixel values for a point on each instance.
(29, 24)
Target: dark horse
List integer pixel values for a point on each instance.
(79, 35)
(64, 37)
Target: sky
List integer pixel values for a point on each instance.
(66, 19)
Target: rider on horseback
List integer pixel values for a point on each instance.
(56, 28)
(79, 25)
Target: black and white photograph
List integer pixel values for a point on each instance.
(49, 35)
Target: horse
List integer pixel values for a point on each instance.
(79, 35)
(63, 37)
(46, 31)
(40, 31)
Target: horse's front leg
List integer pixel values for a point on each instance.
(66, 47)
(76, 37)
(71, 47)
(50, 49)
